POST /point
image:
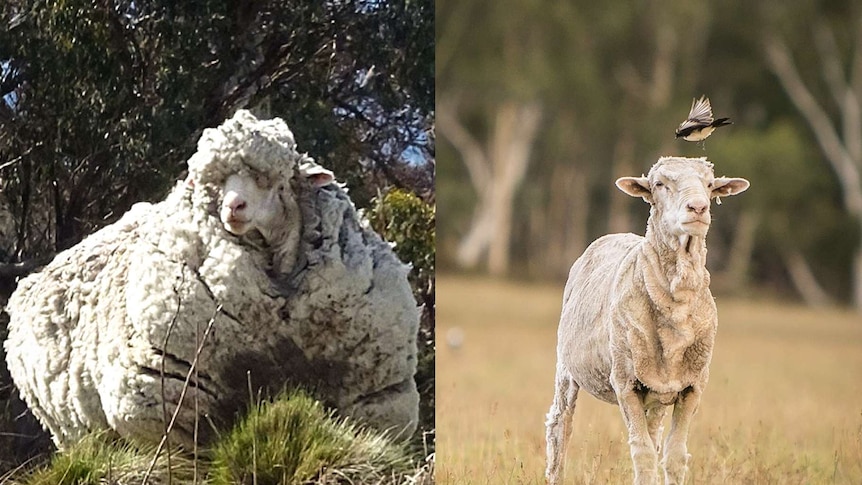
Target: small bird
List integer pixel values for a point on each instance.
(699, 124)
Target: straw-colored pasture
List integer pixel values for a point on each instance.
(784, 402)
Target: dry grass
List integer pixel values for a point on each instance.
(784, 402)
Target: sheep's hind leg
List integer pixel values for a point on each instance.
(675, 461)
(559, 424)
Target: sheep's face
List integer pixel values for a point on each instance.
(250, 202)
(680, 191)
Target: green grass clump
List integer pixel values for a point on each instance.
(99, 459)
(289, 440)
(293, 440)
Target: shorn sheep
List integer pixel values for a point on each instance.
(638, 320)
(254, 271)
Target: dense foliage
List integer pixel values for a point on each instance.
(103, 101)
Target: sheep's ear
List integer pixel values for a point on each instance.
(635, 187)
(317, 175)
(321, 179)
(724, 187)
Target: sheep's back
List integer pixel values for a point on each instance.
(584, 331)
(352, 309)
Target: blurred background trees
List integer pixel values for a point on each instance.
(599, 89)
(103, 101)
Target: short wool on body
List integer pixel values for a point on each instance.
(638, 320)
(105, 336)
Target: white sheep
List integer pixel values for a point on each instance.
(638, 320)
(256, 259)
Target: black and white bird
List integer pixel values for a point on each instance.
(699, 124)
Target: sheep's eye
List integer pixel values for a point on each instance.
(709, 186)
(261, 181)
(659, 184)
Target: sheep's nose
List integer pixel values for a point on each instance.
(235, 203)
(698, 206)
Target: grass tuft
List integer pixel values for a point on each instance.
(294, 440)
(289, 440)
(99, 459)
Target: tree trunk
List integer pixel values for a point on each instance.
(515, 130)
(857, 276)
(496, 170)
(577, 234)
(473, 245)
(564, 233)
(619, 211)
(803, 279)
(736, 273)
(840, 140)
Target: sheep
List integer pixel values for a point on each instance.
(256, 270)
(638, 320)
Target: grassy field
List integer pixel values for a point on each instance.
(783, 405)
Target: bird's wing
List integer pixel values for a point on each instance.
(699, 115)
(701, 111)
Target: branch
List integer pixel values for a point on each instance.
(661, 84)
(470, 150)
(452, 30)
(853, 93)
(516, 125)
(630, 80)
(21, 156)
(779, 61)
(856, 67)
(185, 387)
(841, 90)
(804, 280)
(833, 73)
(17, 270)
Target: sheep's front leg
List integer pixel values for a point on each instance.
(655, 415)
(643, 450)
(675, 461)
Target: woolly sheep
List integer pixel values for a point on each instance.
(638, 320)
(257, 260)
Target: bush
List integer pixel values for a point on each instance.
(404, 219)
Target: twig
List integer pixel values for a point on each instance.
(182, 394)
(162, 377)
(21, 157)
(197, 411)
(254, 431)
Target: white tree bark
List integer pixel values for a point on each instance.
(562, 237)
(496, 168)
(803, 279)
(741, 249)
(839, 140)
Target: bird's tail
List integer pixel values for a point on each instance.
(721, 122)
